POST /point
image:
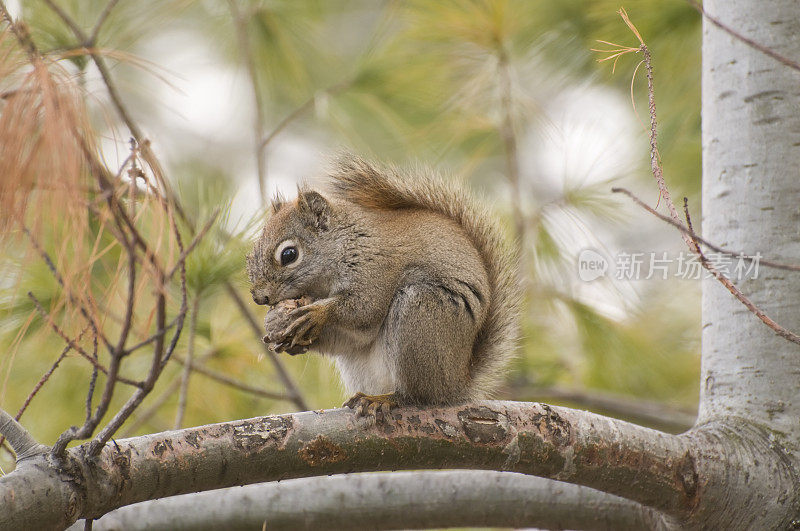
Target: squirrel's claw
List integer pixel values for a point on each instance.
(369, 405)
(305, 329)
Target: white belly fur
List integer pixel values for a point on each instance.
(367, 372)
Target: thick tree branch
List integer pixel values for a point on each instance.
(408, 500)
(649, 467)
(648, 412)
(22, 442)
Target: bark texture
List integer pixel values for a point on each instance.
(751, 155)
(408, 500)
(751, 187)
(643, 465)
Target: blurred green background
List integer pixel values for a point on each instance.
(439, 83)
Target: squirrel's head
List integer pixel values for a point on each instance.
(296, 252)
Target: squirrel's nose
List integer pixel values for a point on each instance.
(259, 297)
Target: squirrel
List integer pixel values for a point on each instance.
(414, 291)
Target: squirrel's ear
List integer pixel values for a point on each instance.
(315, 209)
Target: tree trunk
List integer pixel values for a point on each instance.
(751, 154)
(751, 188)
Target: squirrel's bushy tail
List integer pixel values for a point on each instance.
(365, 184)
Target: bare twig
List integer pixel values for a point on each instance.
(240, 23)
(75, 300)
(43, 380)
(105, 74)
(736, 292)
(46, 376)
(748, 41)
(685, 230)
(152, 338)
(288, 383)
(100, 21)
(231, 382)
(196, 240)
(72, 343)
(689, 237)
(173, 386)
(188, 364)
(302, 109)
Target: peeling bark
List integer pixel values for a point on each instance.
(573, 446)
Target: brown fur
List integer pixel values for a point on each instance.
(364, 184)
(413, 288)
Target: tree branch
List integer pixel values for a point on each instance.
(649, 467)
(283, 374)
(188, 365)
(22, 442)
(766, 50)
(240, 24)
(408, 500)
(685, 230)
(231, 382)
(650, 413)
(100, 21)
(689, 236)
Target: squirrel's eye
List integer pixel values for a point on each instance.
(288, 255)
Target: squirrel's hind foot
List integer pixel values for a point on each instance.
(371, 405)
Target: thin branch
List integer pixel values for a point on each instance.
(690, 238)
(22, 442)
(283, 374)
(152, 338)
(188, 363)
(92, 380)
(655, 163)
(46, 376)
(173, 386)
(685, 230)
(100, 21)
(302, 109)
(240, 23)
(72, 343)
(113, 93)
(748, 41)
(736, 292)
(74, 299)
(231, 382)
(195, 241)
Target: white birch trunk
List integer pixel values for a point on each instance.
(751, 202)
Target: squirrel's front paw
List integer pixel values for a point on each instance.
(278, 320)
(307, 324)
(370, 405)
